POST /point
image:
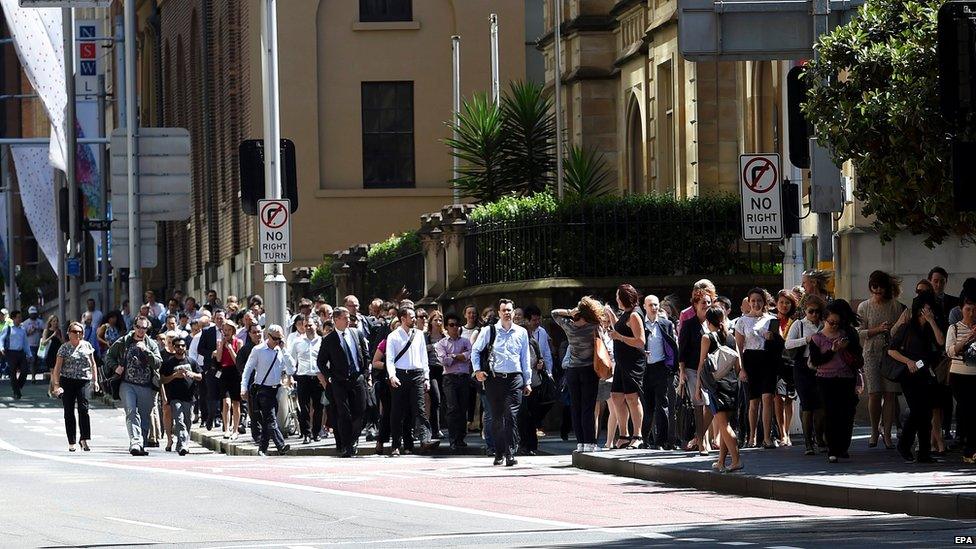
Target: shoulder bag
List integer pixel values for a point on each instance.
(602, 363)
(485, 354)
(892, 369)
(405, 348)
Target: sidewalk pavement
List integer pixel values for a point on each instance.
(244, 446)
(874, 479)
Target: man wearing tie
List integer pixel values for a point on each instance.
(406, 362)
(505, 372)
(16, 351)
(267, 362)
(343, 360)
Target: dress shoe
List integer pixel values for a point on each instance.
(305, 439)
(379, 449)
(316, 438)
(395, 452)
(498, 460)
(905, 453)
(284, 449)
(138, 451)
(462, 444)
(927, 459)
(510, 461)
(152, 444)
(347, 453)
(183, 451)
(426, 447)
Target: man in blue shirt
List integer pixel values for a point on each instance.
(17, 352)
(500, 357)
(662, 350)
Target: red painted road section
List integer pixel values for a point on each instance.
(539, 488)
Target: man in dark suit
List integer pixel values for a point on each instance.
(662, 362)
(210, 388)
(344, 362)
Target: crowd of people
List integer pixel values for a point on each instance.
(656, 375)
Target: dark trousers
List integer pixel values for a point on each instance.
(309, 405)
(504, 398)
(658, 380)
(385, 403)
(76, 394)
(527, 421)
(457, 391)
(210, 398)
(582, 384)
(840, 403)
(408, 398)
(17, 367)
(918, 391)
(964, 389)
(267, 398)
(254, 410)
(435, 404)
(350, 403)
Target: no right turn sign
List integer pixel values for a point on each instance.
(274, 239)
(762, 202)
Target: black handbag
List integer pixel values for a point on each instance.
(891, 368)
(547, 391)
(111, 386)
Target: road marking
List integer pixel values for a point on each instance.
(782, 547)
(4, 445)
(695, 540)
(149, 524)
(17, 420)
(736, 543)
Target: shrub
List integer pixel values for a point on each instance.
(322, 275)
(393, 248)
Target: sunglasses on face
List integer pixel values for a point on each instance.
(273, 338)
(452, 324)
(142, 327)
(75, 332)
(813, 311)
(422, 317)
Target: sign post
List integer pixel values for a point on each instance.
(274, 231)
(762, 199)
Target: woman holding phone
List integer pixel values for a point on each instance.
(230, 379)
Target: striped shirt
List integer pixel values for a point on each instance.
(958, 332)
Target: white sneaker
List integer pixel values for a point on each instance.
(587, 448)
(579, 448)
(226, 435)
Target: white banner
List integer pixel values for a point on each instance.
(4, 245)
(40, 48)
(35, 178)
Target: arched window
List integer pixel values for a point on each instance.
(635, 149)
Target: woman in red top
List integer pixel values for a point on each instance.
(230, 379)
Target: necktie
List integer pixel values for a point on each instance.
(353, 367)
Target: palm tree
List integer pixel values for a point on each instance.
(585, 174)
(480, 146)
(529, 128)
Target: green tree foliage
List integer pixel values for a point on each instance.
(480, 146)
(529, 128)
(874, 101)
(585, 174)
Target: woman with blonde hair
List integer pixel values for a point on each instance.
(74, 373)
(581, 325)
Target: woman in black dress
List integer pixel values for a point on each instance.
(720, 388)
(630, 361)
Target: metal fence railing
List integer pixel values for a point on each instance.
(389, 279)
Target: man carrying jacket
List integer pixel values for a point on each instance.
(135, 357)
(662, 351)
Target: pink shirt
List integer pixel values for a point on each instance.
(685, 315)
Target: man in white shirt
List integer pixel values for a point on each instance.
(304, 351)
(155, 308)
(34, 327)
(406, 363)
(267, 362)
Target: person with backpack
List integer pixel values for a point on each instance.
(719, 373)
(136, 359)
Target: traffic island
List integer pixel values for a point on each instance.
(874, 479)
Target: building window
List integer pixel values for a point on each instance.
(388, 156)
(385, 10)
(666, 182)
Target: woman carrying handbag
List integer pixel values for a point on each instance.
(74, 376)
(582, 330)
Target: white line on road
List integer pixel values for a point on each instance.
(149, 524)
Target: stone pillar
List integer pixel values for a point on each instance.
(431, 238)
(455, 227)
(349, 272)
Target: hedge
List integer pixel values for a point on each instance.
(638, 235)
(392, 248)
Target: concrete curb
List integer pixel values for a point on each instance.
(244, 447)
(927, 504)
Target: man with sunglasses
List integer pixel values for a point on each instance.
(252, 338)
(135, 357)
(267, 362)
(179, 377)
(454, 353)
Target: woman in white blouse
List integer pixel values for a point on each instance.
(750, 339)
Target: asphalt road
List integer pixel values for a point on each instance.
(106, 498)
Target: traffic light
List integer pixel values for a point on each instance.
(791, 208)
(799, 128)
(251, 154)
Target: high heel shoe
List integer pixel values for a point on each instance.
(84, 446)
(887, 442)
(624, 439)
(873, 441)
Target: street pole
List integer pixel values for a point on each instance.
(8, 189)
(558, 91)
(495, 85)
(63, 276)
(825, 220)
(135, 241)
(274, 280)
(456, 107)
(74, 282)
(104, 267)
